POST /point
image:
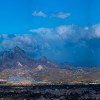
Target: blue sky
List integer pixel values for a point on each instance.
(67, 29)
(16, 15)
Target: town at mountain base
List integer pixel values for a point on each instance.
(17, 67)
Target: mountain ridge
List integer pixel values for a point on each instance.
(17, 62)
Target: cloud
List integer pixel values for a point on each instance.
(71, 43)
(86, 28)
(25, 39)
(62, 32)
(39, 14)
(41, 30)
(61, 15)
(65, 31)
(46, 33)
(71, 32)
(96, 30)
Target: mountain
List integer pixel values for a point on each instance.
(14, 58)
(18, 57)
(17, 63)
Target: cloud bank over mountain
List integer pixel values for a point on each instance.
(66, 43)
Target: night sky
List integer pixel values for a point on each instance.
(65, 31)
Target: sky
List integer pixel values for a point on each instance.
(65, 31)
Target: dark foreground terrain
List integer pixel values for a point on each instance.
(50, 92)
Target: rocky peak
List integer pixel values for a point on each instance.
(43, 59)
(18, 50)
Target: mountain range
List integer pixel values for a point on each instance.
(17, 63)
